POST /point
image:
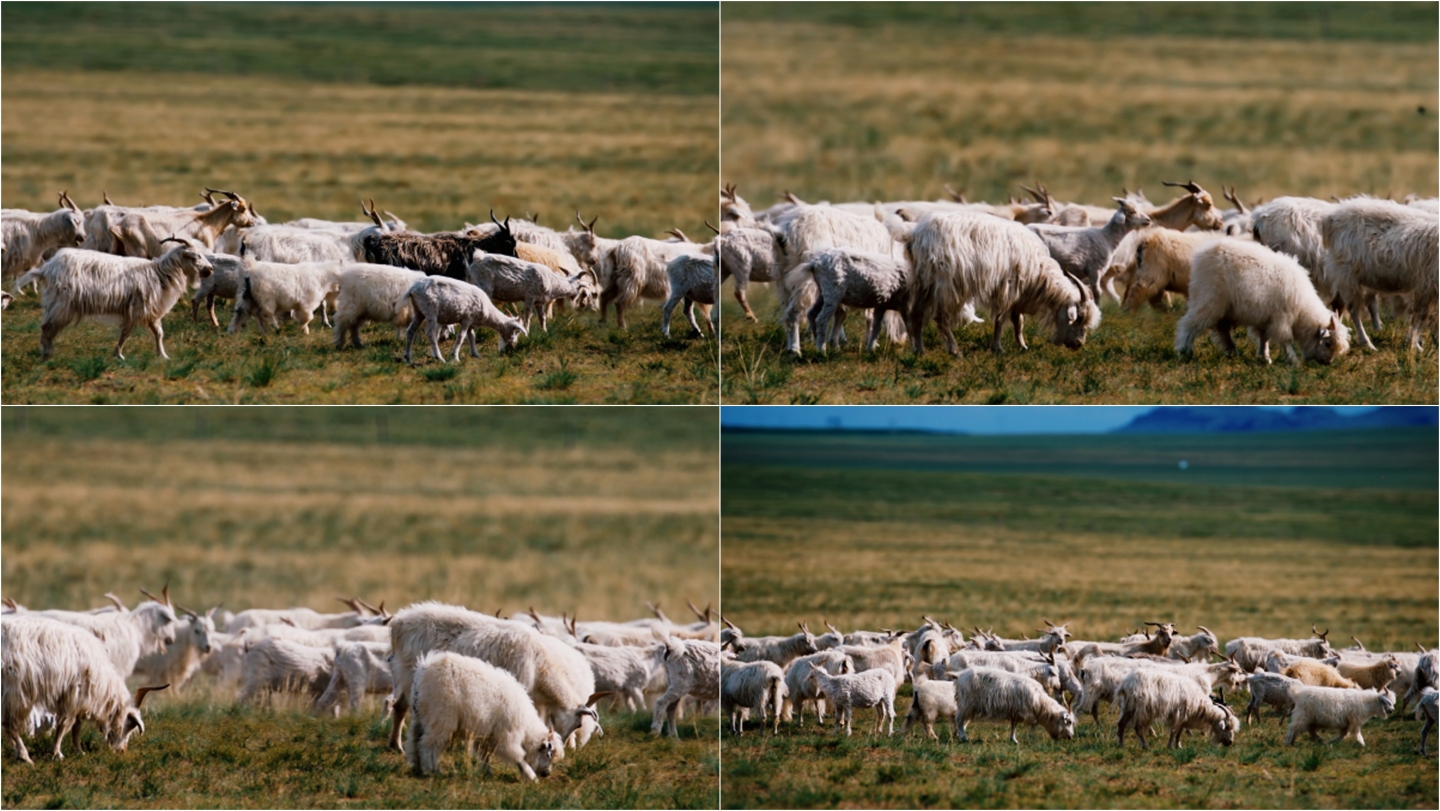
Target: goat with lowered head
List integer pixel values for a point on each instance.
(65, 670)
(990, 694)
(1152, 694)
(438, 301)
(1379, 246)
(1238, 283)
(988, 262)
(510, 279)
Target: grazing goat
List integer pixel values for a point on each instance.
(961, 259)
(1335, 708)
(226, 280)
(1387, 248)
(1237, 283)
(438, 301)
(990, 694)
(846, 691)
(446, 254)
(751, 685)
(1151, 694)
(28, 236)
(81, 284)
(454, 694)
(63, 669)
(506, 279)
(372, 293)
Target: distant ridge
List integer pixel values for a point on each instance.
(1244, 419)
(831, 429)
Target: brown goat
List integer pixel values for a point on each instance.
(1317, 674)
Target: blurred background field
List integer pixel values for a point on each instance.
(1263, 535)
(439, 112)
(891, 101)
(588, 511)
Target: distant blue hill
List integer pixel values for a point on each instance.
(1244, 419)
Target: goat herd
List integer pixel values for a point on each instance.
(1288, 270)
(1159, 677)
(126, 269)
(526, 687)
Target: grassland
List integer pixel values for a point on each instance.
(891, 102)
(571, 510)
(872, 531)
(300, 134)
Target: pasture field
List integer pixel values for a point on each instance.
(592, 511)
(892, 101)
(304, 111)
(871, 531)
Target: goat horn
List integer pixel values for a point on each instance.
(151, 596)
(105, 195)
(1358, 642)
(387, 212)
(676, 232)
(9, 603)
(1084, 290)
(184, 610)
(1417, 644)
(116, 600)
(289, 622)
(958, 197)
(369, 606)
(711, 227)
(145, 691)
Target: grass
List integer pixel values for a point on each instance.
(891, 102)
(440, 113)
(666, 49)
(1103, 532)
(238, 757)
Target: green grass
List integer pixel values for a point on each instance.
(893, 101)
(871, 531)
(201, 751)
(1381, 22)
(580, 47)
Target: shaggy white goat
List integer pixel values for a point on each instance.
(990, 694)
(360, 668)
(28, 235)
(1238, 283)
(271, 288)
(454, 694)
(437, 302)
(1335, 708)
(1157, 694)
(846, 691)
(81, 284)
(372, 293)
(692, 668)
(1384, 247)
(798, 687)
(751, 685)
(692, 280)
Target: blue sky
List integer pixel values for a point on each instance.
(970, 419)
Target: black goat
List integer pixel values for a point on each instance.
(443, 254)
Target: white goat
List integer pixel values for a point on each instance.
(846, 691)
(454, 694)
(372, 293)
(692, 280)
(28, 236)
(280, 665)
(1384, 247)
(846, 278)
(1335, 708)
(271, 288)
(1238, 283)
(126, 636)
(360, 668)
(437, 302)
(990, 694)
(64, 670)
(507, 279)
(933, 700)
(1273, 689)
(1157, 694)
(751, 685)
(692, 668)
(182, 659)
(799, 689)
(964, 259)
(81, 284)
(782, 650)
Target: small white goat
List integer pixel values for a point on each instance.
(751, 685)
(1335, 708)
(437, 302)
(846, 691)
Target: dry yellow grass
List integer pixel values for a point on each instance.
(436, 156)
(272, 524)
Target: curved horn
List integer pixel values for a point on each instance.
(1189, 185)
(676, 232)
(183, 610)
(145, 691)
(1233, 198)
(957, 196)
(711, 227)
(105, 195)
(116, 600)
(1084, 291)
(151, 596)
